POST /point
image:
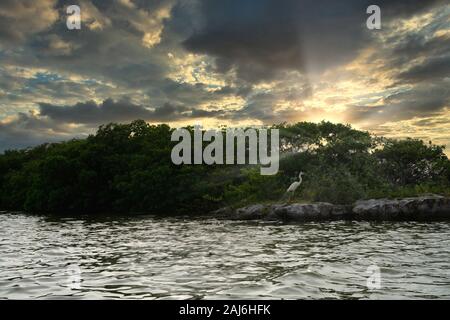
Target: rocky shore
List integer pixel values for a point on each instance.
(425, 208)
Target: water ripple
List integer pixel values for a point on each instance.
(179, 258)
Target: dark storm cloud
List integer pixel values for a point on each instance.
(433, 69)
(92, 114)
(109, 45)
(20, 19)
(28, 130)
(419, 56)
(168, 112)
(109, 58)
(110, 48)
(421, 101)
(192, 94)
(261, 38)
(416, 45)
(259, 107)
(111, 55)
(51, 124)
(431, 122)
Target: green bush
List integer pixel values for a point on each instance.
(127, 168)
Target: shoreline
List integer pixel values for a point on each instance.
(423, 208)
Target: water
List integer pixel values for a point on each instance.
(180, 258)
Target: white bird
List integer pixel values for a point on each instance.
(295, 184)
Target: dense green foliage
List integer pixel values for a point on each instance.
(127, 168)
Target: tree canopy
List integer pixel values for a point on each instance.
(127, 168)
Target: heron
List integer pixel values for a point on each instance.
(294, 186)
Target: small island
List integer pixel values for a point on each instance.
(126, 169)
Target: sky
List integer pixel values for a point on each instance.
(233, 62)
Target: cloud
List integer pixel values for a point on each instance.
(420, 101)
(434, 69)
(20, 19)
(117, 42)
(92, 114)
(261, 39)
(56, 123)
(28, 129)
(259, 61)
(193, 94)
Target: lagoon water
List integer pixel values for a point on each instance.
(180, 258)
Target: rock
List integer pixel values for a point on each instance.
(341, 212)
(431, 207)
(272, 212)
(292, 212)
(418, 208)
(223, 212)
(304, 212)
(252, 212)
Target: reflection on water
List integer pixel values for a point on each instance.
(146, 257)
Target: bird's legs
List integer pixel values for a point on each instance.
(290, 194)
